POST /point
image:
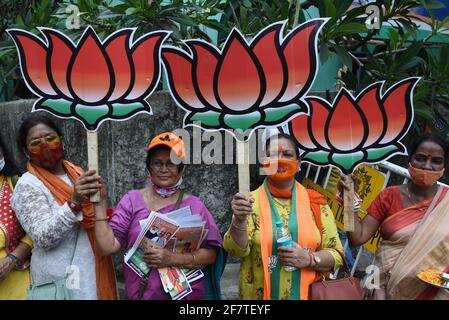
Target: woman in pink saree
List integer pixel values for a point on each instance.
(414, 224)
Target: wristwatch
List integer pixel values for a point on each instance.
(316, 260)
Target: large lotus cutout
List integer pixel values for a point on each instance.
(367, 128)
(245, 85)
(92, 80)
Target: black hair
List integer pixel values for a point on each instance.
(150, 155)
(432, 138)
(10, 168)
(31, 121)
(284, 136)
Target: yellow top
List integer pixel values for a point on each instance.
(15, 286)
(251, 269)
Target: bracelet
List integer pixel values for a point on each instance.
(12, 257)
(193, 262)
(311, 260)
(75, 207)
(102, 219)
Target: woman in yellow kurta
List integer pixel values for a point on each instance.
(15, 245)
(252, 233)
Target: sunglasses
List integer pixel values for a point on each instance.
(35, 145)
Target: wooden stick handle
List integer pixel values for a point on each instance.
(92, 158)
(348, 211)
(243, 166)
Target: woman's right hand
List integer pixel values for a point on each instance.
(242, 206)
(345, 183)
(86, 185)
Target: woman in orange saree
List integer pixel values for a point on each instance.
(414, 224)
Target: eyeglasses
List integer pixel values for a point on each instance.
(53, 141)
(157, 165)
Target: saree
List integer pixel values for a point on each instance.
(415, 238)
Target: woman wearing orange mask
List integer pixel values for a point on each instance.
(414, 224)
(267, 271)
(51, 202)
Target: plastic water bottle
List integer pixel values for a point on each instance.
(284, 239)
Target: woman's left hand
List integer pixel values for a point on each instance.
(157, 257)
(295, 257)
(6, 266)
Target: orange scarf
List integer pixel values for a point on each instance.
(307, 237)
(61, 191)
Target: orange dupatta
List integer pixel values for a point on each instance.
(61, 191)
(307, 237)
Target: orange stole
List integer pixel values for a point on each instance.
(61, 191)
(307, 237)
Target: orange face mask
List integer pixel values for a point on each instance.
(281, 169)
(424, 178)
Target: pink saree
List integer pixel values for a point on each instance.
(414, 239)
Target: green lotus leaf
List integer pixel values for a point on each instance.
(279, 114)
(60, 107)
(379, 153)
(242, 122)
(91, 114)
(317, 157)
(208, 118)
(121, 110)
(347, 161)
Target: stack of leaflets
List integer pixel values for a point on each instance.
(179, 231)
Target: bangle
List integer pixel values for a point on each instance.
(12, 257)
(311, 260)
(193, 261)
(102, 219)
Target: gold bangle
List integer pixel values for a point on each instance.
(101, 219)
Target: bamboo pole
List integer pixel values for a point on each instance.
(348, 211)
(243, 166)
(92, 158)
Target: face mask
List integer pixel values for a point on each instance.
(287, 167)
(165, 192)
(2, 164)
(424, 178)
(48, 155)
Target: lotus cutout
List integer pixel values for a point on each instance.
(244, 85)
(367, 128)
(92, 80)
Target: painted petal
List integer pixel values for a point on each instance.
(117, 51)
(397, 103)
(60, 53)
(319, 112)
(205, 60)
(299, 127)
(146, 59)
(90, 76)
(346, 130)
(369, 102)
(346, 162)
(239, 86)
(179, 73)
(300, 53)
(267, 50)
(33, 55)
